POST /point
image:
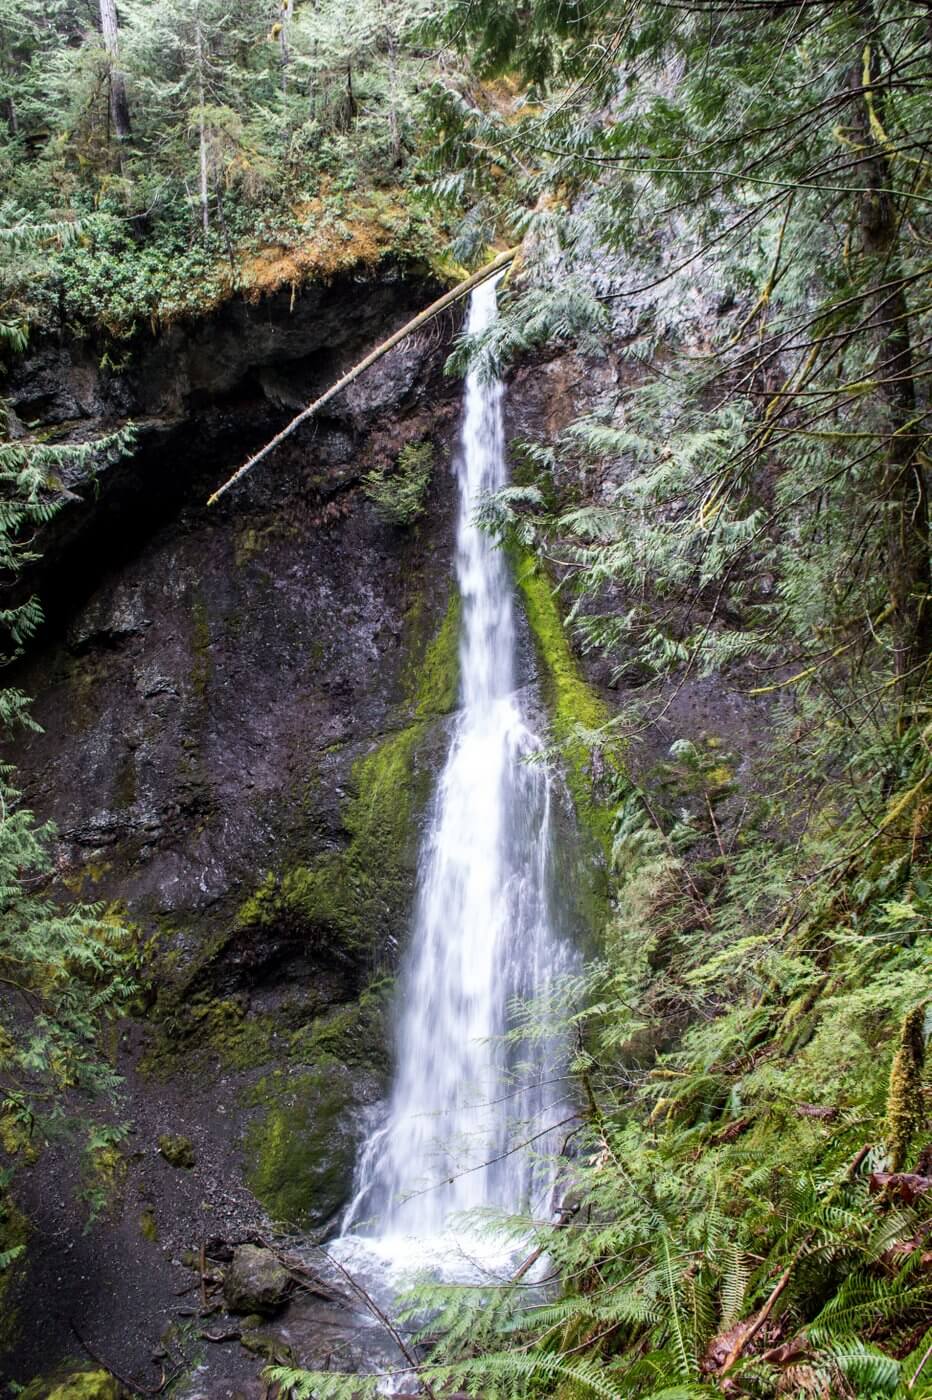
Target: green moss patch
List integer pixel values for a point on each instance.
(76, 1385)
(437, 688)
(215, 1026)
(347, 901)
(579, 715)
(301, 1149)
(177, 1150)
(148, 1225)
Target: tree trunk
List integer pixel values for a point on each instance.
(119, 107)
(201, 128)
(287, 12)
(350, 95)
(394, 124)
(902, 483)
(436, 307)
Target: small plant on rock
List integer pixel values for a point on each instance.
(399, 495)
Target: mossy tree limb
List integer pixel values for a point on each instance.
(905, 1112)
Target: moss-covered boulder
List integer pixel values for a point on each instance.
(76, 1385)
(177, 1150)
(255, 1282)
(268, 1345)
(301, 1148)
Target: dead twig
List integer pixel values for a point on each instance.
(233, 1335)
(385, 1320)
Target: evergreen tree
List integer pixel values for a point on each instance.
(794, 181)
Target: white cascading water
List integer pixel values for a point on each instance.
(482, 932)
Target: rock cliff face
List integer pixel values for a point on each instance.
(242, 709)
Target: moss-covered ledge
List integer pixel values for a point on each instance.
(349, 901)
(596, 771)
(342, 908)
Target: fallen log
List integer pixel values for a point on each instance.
(421, 319)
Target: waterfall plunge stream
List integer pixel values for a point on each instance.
(482, 933)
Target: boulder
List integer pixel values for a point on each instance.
(177, 1150)
(86, 1385)
(255, 1282)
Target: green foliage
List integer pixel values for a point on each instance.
(65, 974)
(261, 141)
(65, 971)
(399, 496)
(754, 476)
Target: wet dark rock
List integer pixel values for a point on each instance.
(255, 1282)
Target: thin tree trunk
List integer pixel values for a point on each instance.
(201, 127)
(287, 12)
(350, 95)
(902, 482)
(394, 125)
(119, 106)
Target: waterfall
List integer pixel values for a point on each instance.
(482, 932)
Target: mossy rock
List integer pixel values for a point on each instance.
(593, 767)
(355, 1034)
(434, 681)
(324, 902)
(148, 1225)
(345, 902)
(272, 1348)
(301, 1149)
(345, 908)
(593, 757)
(177, 1150)
(255, 1282)
(77, 1385)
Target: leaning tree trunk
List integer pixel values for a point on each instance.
(901, 482)
(119, 107)
(461, 289)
